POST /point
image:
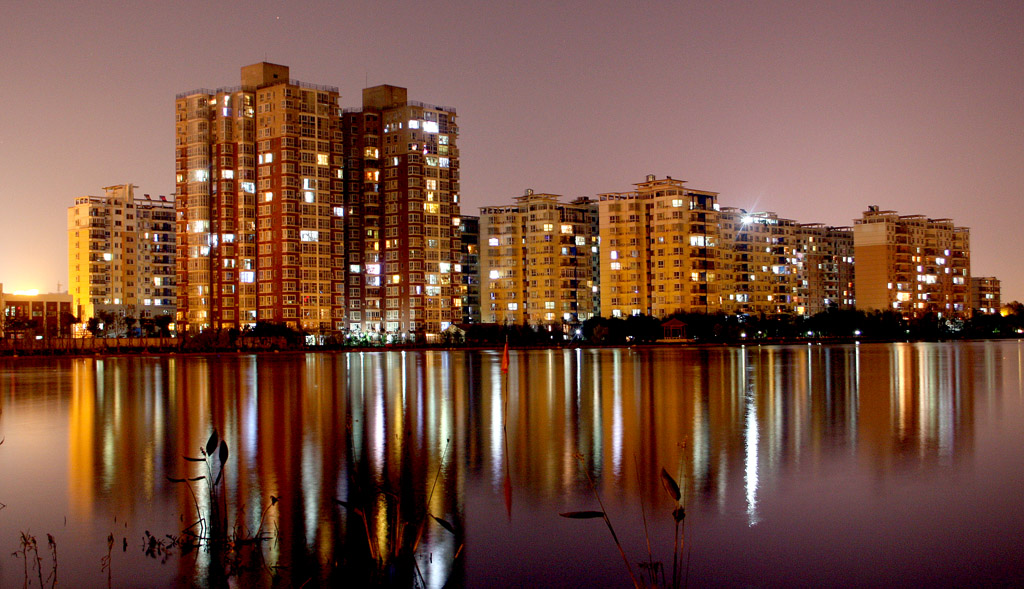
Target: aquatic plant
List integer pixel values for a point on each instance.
(30, 552)
(392, 558)
(655, 570)
(603, 514)
(210, 530)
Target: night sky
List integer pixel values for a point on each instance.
(814, 110)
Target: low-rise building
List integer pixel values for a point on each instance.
(28, 315)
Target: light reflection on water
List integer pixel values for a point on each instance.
(800, 464)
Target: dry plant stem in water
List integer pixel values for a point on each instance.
(604, 515)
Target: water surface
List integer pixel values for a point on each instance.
(863, 465)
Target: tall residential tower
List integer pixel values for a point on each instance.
(259, 203)
(402, 264)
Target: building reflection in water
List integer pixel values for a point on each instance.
(376, 428)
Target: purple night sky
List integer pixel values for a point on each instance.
(814, 110)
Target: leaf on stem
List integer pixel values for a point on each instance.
(670, 485)
(211, 444)
(223, 452)
(444, 524)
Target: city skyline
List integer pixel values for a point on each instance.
(812, 112)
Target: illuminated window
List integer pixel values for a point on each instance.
(322, 159)
(430, 127)
(306, 235)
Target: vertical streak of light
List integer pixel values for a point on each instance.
(377, 427)
(617, 417)
(751, 439)
(497, 463)
(853, 404)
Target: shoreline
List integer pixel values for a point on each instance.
(142, 349)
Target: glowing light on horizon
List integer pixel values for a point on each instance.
(26, 293)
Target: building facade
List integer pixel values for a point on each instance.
(402, 269)
(121, 254)
(536, 260)
(469, 234)
(661, 250)
(761, 253)
(824, 268)
(29, 316)
(911, 264)
(259, 172)
(985, 295)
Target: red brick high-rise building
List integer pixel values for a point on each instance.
(259, 203)
(402, 215)
(290, 209)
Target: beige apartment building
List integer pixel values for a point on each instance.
(260, 201)
(121, 254)
(536, 260)
(912, 264)
(661, 250)
(764, 277)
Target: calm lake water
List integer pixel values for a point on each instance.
(864, 465)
